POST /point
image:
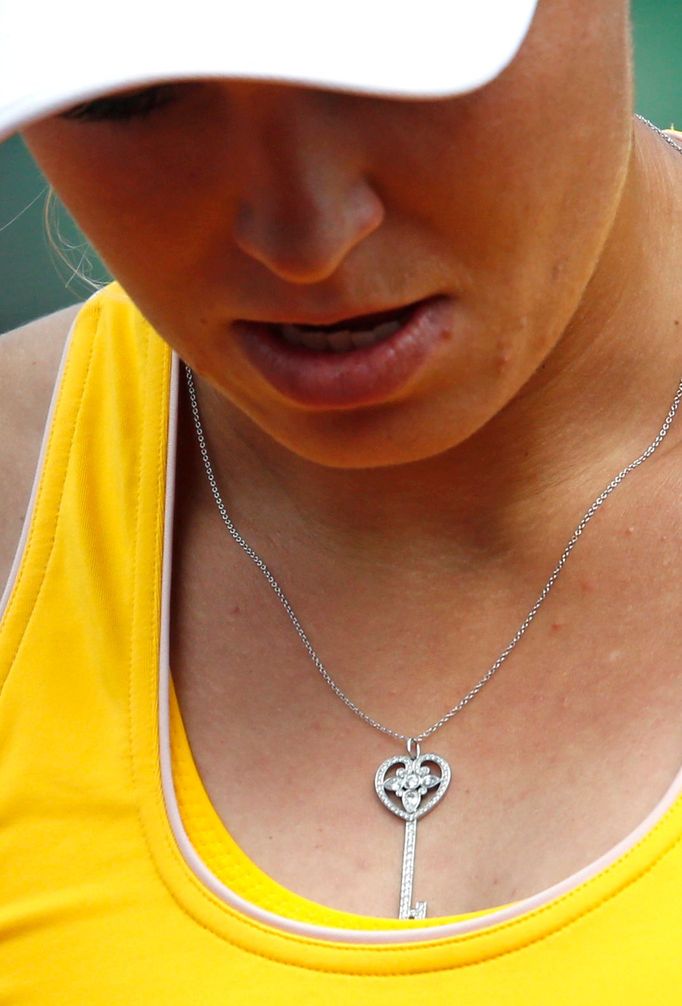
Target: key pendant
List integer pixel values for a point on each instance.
(403, 792)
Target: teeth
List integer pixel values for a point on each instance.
(288, 333)
(340, 341)
(337, 342)
(381, 332)
(311, 339)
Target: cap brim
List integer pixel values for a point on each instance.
(65, 53)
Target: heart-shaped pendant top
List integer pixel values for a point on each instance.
(410, 783)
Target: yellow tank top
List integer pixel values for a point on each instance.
(118, 881)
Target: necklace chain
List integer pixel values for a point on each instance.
(415, 739)
(520, 632)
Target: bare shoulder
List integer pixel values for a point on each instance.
(29, 361)
(27, 356)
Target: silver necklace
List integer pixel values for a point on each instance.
(412, 784)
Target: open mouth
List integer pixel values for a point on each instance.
(356, 361)
(347, 335)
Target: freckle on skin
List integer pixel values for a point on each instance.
(236, 610)
(504, 351)
(556, 626)
(504, 359)
(588, 586)
(628, 531)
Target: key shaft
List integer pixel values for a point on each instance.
(407, 911)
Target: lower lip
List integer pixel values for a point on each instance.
(363, 376)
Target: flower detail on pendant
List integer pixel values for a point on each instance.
(411, 783)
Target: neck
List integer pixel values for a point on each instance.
(597, 401)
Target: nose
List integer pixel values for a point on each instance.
(305, 202)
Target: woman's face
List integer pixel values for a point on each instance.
(241, 200)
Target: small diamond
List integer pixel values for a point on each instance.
(411, 801)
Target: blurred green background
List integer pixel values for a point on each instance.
(34, 281)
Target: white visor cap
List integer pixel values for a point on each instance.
(58, 54)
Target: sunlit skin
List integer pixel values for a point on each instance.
(421, 526)
(534, 203)
(286, 202)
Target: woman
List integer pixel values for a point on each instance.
(410, 480)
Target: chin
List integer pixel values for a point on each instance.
(369, 438)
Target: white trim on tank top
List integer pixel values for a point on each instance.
(313, 931)
(21, 547)
(189, 853)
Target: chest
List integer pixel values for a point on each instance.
(557, 759)
(564, 751)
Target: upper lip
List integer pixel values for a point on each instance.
(337, 318)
